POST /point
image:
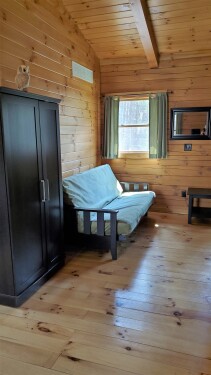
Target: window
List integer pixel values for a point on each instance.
(134, 125)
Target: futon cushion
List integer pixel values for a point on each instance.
(94, 188)
(132, 207)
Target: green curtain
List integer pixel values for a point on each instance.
(111, 124)
(158, 126)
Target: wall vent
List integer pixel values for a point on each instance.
(80, 71)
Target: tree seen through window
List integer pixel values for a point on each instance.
(134, 125)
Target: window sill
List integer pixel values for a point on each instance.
(134, 155)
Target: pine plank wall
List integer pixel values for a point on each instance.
(32, 33)
(35, 34)
(189, 79)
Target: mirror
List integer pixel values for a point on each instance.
(190, 123)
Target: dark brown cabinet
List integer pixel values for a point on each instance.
(30, 194)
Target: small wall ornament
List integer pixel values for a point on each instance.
(22, 77)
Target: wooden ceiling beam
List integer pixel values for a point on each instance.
(143, 23)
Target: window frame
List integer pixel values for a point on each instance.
(137, 153)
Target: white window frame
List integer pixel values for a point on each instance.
(137, 153)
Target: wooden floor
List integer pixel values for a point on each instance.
(148, 313)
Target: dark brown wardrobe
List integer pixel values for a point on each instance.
(30, 194)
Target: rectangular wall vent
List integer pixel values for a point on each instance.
(82, 72)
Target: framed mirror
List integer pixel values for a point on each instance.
(191, 123)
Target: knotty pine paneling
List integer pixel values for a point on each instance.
(181, 26)
(190, 83)
(43, 36)
(108, 26)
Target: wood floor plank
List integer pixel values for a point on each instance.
(42, 328)
(148, 313)
(66, 282)
(162, 268)
(178, 338)
(150, 272)
(157, 304)
(118, 306)
(10, 366)
(118, 360)
(182, 289)
(157, 252)
(119, 345)
(31, 339)
(126, 329)
(28, 354)
(70, 365)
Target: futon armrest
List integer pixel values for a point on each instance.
(134, 186)
(100, 222)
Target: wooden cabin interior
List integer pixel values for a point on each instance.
(149, 312)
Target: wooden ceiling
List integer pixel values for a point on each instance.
(113, 28)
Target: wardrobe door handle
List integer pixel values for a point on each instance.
(48, 190)
(43, 191)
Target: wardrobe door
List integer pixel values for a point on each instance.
(22, 152)
(50, 140)
(6, 275)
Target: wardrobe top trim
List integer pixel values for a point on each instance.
(6, 90)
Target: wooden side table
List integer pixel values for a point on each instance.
(200, 212)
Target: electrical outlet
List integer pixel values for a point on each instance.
(183, 193)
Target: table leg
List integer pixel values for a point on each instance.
(190, 207)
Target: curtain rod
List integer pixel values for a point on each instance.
(137, 93)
